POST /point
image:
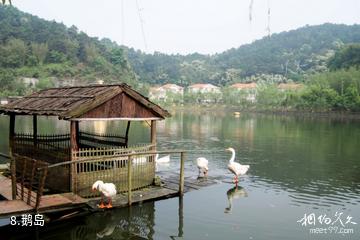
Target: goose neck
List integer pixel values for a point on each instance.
(232, 156)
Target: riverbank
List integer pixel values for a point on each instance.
(221, 108)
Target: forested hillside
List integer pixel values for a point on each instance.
(292, 54)
(49, 51)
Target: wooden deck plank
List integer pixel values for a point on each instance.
(75, 199)
(13, 207)
(65, 201)
(151, 193)
(5, 187)
(54, 200)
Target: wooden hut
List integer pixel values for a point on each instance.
(102, 152)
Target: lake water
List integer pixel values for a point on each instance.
(298, 166)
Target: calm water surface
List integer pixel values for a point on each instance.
(298, 166)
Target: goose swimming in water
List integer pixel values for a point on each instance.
(165, 159)
(202, 164)
(107, 189)
(235, 167)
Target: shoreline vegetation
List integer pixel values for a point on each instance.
(237, 112)
(335, 91)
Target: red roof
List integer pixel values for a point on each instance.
(203, 85)
(290, 86)
(244, 85)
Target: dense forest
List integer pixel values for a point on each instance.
(324, 58)
(50, 51)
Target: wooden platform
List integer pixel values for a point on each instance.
(67, 201)
(48, 203)
(169, 188)
(5, 187)
(13, 208)
(150, 193)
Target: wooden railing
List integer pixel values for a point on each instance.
(125, 170)
(56, 148)
(28, 179)
(110, 165)
(48, 148)
(101, 140)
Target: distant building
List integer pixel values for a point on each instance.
(3, 101)
(100, 81)
(249, 90)
(290, 86)
(207, 93)
(204, 88)
(173, 88)
(162, 93)
(30, 82)
(9, 99)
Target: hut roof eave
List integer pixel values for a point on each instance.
(73, 102)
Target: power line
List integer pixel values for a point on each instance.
(141, 24)
(268, 23)
(250, 10)
(122, 23)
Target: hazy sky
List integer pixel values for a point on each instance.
(187, 26)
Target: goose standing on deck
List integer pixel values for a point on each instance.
(202, 164)
(236, 168)
(107, 189)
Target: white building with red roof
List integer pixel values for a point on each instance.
(203, 88)
(249, 90)
(161, 93)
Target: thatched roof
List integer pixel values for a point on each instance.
(93, 101)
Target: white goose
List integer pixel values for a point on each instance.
(107, 189)
(138, 159)
(202, 164)
(236, 168)
(165, 159)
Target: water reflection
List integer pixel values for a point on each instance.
(99, 127)
(234, 193)
(311, 158)
(126, 223)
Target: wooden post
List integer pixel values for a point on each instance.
(181, 217)
(35, 129)
(129, 179)
(12, 159)
(41, 188)
(74, 128)
(73, 148)
(181, 183)
(77, 130)
(153, 134)
(12, 126)
(127, 133)
(153, 141)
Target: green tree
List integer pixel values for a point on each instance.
(40, 50)
(13, 53)
(346, 57)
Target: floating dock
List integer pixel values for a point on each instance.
(62, 204)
